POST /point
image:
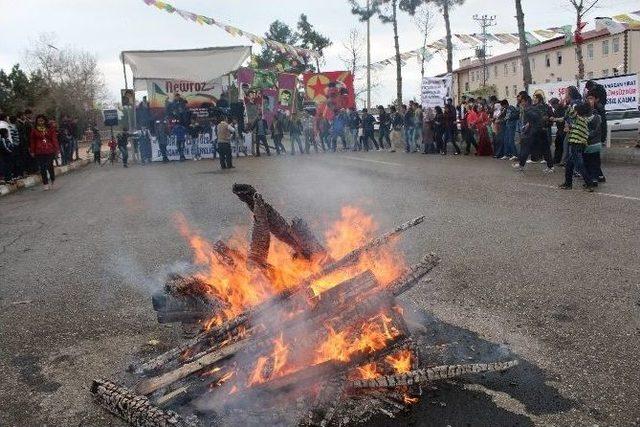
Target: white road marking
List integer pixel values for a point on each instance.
(617, 196)
(372, 161)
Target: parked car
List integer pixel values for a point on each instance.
(624, 124)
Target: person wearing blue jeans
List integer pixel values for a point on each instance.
(408, 121)
(509, 126)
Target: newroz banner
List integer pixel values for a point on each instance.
(435, 91)
(200, 96)
(622, 91)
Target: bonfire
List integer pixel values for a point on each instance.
(290, 330)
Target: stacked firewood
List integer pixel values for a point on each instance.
(327, 390)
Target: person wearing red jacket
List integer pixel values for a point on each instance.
(43, 146)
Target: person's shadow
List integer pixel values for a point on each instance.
(458, 402)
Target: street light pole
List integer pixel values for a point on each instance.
(368, 55)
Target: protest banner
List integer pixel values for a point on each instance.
(435, 91)
(200, 96)
(551, 90)
(286, 92)
(622, 91)
(330, 91)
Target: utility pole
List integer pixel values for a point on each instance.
(368, 55)
(485, 21)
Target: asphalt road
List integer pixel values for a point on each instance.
(549, 276)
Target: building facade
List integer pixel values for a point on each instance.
(553, 61)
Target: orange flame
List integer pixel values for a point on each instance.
(240, 287)
(367, 372)
(372, 336)
(401, 361)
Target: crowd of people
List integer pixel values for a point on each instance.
(29, 145)
(523, 133)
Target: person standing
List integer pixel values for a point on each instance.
(485, 147)
(96, 144)
(591, 154)
(438, 130)
(193, 132)
(557, 118)
(384, 132)
(599, 95)
(396, 126)
(354, 127)
(16, 147)
(295, 132)
(532, 127)
(578, 139)
(309, 137)
(418, 118)
(180, 133)
(408, 116)
(468, 126)
(260, 127)
(163, 140)
(143, 114)
(277, 133)
(368, 128)
(428, 145)
(338, 129)
(6, 157)
(122, 143)
(449, 127)
(145, 146)
(224, 131)
(43, 146)
(510, 125)
(66, 145)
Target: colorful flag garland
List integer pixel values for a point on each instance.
(293, 51)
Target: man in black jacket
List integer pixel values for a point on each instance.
(368, 122)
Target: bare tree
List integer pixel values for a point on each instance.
(582, 7)
(353, 59)
(73, 80)
(445, 7)
(424, 19)
(524, 48)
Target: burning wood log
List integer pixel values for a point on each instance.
(136, 410)
(353, 256)
(260, 235)
(413, 275)
(278, 225)
(423, 376)
(149, 385)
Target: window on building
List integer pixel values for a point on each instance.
(615, 44)
(559, 57)
(616, 71)
(473, 76)
(547, 80)
(466, 86)
(506, 91)
(547, 60)
(590, 75)
(605, 47)
(605, 72)
(590, 51)
(559, 79)
(515, 90)
(532, 62)
(513, 67)
(495, 71)
(506, 70)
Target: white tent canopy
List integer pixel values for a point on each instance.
(196, 65)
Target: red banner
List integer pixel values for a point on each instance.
(286, 92)
(330, 90)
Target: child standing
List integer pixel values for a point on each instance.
(578, 138)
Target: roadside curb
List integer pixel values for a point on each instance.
(33, 180)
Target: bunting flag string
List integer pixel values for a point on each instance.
(615, 25)
(297, 53)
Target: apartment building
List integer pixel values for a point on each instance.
(553, 61)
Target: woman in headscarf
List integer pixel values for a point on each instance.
(485, 147)
(44, 147)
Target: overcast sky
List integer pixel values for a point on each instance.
(106, 27)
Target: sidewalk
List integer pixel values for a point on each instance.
(34, 180)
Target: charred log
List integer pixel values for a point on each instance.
(136, 410)
(423, 376)
(260, 235)
(298, 240)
